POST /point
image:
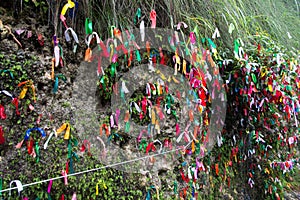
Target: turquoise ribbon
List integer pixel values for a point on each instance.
(58, 76)
(7, 71)
(138, 56)
(1, 187)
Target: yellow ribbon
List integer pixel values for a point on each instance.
(52, 71)
(193, 146)
(27, 84)
(184, 66)
(70, 4)
(65, 127)
(152, 116)
(157, 192)
(97, 191)
(111, 52)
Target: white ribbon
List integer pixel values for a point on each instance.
(216, 34)
(56, 55)
(90, 37)
(142, 30)
(68, 39)
(136, 107)
(160, 149)
(50, 136)
(7, 93)
(19, 186)
(219, 138)
(250, 182)
(189, 173)
(124, 88)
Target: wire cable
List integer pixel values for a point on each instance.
(95, 169)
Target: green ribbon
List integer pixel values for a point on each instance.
(37, 150)
(7, 71)
(197, 150)
(143, 145)
(170, 100)
(191, 182)
(175, 114)
(137, 15)
(236, 47)
(196, 31)
(175, 187)
(102, 81)
(113, 69)
(127, 127)
(253, 78)
(88, 26)
(61, 52)
(49, 197)
(122, 95)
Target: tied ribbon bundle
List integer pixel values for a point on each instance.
(26, 85)
(15, 102)
(32, 147)
(68, 5)
(65, 127)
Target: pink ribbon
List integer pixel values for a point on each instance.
(140, 135)
(177, 129)
(64, 173)
(49, 186)
(181, 23)
(192, 38)
(74, 197)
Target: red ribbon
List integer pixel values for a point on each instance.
(150, 147)
(153, 18)
(83, 147)
(2, 112)
(106, 128)
(30, 143)
(2, 139)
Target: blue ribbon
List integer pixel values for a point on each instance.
(27, 134)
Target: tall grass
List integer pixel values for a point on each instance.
(276, 17)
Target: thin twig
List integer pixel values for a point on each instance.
(10, 33)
